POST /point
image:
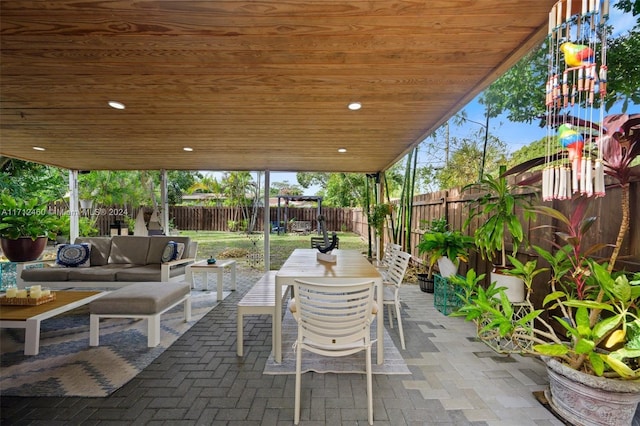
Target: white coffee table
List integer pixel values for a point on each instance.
(30, 317)
(203, 267)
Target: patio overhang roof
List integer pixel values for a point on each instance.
(246, 85)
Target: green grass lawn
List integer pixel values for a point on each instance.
(238, 245)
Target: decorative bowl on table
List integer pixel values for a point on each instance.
(211, 261)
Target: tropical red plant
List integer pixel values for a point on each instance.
(619, 145)
(572, 251)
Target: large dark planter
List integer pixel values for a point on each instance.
(426, 284)
(23, 249)
(585, 400)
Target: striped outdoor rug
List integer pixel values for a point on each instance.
(68, 366)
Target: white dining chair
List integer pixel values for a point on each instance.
(389, 252)
(333, 320)
(392, 281)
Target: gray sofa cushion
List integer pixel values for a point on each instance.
(146, 273)
(140, 298)
(100, 249)
(129, 249)
(140, 273)
(157, 245)
(98, 273)
(46, 274)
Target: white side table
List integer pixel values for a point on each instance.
(203, 267)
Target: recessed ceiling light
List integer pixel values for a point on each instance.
(187, 148)
(354, 106)
(342, 149)
(39, 148)
(116, 105)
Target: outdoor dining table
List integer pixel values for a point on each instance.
(350, 267)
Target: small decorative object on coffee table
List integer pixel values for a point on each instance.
(33, 296)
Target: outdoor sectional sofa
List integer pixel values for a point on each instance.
(114, 262)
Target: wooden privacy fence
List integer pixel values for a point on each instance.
(199, 218)
(455, 206)
(217, 218)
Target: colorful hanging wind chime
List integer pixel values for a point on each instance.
(576, 31)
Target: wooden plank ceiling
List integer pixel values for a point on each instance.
(248, 85)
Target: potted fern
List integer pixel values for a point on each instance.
(425, 280)
(446, 248)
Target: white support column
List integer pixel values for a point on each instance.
(74, 211)
(380, 200)
(164, 200)
(267, 222)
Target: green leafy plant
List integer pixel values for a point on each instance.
(592, 321)
(436, 225)
(497, 207)
(452, 244)
(378, 215)
(86, 226)
(26, 218)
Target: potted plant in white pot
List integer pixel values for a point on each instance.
(425, 279)
(496, 207)
(587, 331)
(446, 248)
(25, 227)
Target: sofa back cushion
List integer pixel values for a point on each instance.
(158, 243)
(100, 249)
(129, 249)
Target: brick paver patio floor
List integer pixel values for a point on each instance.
(455, 380)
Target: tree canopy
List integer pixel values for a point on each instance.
(23, 179)
(518, 92)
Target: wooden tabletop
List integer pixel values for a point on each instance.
(22, 313)
(303, 263)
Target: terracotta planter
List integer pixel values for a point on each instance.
(23, 249)
(515, 286)
(586, 400)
